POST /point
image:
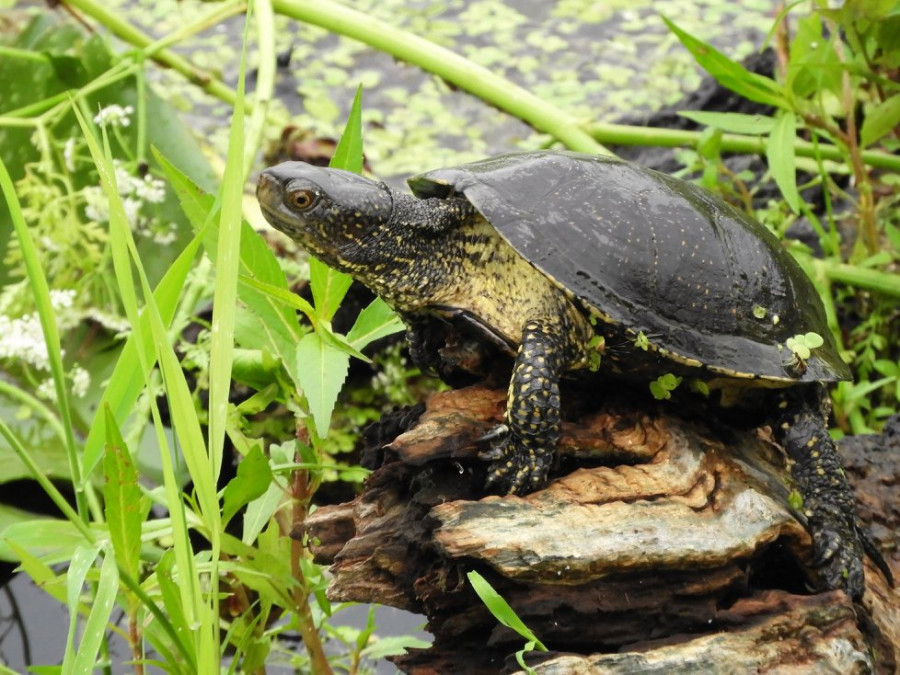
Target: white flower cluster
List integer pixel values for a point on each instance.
(135, 192)
(22, 340)
(114, 116)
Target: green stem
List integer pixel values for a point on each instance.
(132, 35)
(852, 275)
(620, 134)
(444, 63)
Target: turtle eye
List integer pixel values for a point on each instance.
(301, 199)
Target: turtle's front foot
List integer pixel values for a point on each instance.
(837, 548)
(517, 465)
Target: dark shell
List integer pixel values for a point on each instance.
(655, 254)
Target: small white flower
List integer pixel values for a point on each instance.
(81, 380)
(69, 153)
(46, 390)
(114, 115)
(150, 189)
(62, 298)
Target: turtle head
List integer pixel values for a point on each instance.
(332, 213)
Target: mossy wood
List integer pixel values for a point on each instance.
(659, 545)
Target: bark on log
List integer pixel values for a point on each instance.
(660, 546)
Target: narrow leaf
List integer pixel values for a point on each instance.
(124, 505)
(348, 154)
(782, 162)
(501, 609)
(320, 370)
(733, 123)
(730, 74)
(328, 285)
(101, 608)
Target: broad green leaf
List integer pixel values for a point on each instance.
(252, 480)
(733, 123)
(125, 506)
(501, 609)
(731, 74)
(880, 120)
(782, 161)
(320, 370)
(375, 321)
(95, 628)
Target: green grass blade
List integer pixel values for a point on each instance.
(181, 405)
(501, 609)
(127, 380)
(95, 629)
(82, 560)
(38, 282)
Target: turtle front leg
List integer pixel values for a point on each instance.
(522, 457)
(828, 502)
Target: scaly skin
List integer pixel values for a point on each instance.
(828, 502)
(439, 257)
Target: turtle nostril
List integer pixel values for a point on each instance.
(266, 185)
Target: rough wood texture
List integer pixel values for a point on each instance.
(660, 546)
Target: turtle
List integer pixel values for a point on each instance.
(551, 257)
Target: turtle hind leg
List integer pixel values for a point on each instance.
(520, 460)
(828, 502)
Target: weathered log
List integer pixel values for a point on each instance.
(661, 545)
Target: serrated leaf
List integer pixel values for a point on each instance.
(782, 161)
(730, 74)
(320, 370)
(252, 480)
(880, 120)
(501, 609)
(123, 503)
(733, 123)
(375, 321)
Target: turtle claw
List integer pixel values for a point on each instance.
(838, 551)
(515, 469)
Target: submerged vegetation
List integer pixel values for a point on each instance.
(119, 381)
